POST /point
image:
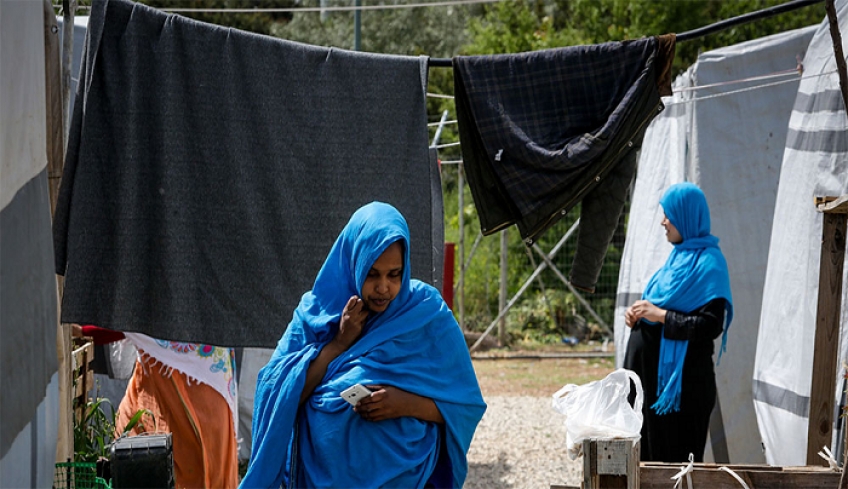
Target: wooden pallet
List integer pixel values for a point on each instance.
(658, 476)
(82, 357)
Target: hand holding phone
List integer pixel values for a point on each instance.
(355, 393)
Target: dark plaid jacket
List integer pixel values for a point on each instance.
(542, 131)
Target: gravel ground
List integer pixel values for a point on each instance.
(520, 444)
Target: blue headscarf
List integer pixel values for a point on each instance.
(415, 345)
(694, 274)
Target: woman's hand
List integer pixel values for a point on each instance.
(350, 328)
(387, 402)
(643, 309)
(351, 323)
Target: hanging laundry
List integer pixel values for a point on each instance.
(209, 171)
(545, 130)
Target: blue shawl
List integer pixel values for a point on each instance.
(694, 274)
(415, 345)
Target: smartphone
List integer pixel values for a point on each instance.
(355, 393)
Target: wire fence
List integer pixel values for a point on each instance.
(542, 306)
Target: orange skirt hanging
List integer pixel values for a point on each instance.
(204, 439)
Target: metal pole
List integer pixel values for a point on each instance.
(357, 21)
(460, 299)
(65, 442)
(502, 296)
(324, 13)
(439, 129)
(68, 9)
(706, 30)
(467, 262)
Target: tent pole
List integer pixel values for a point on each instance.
(837, 49)
(64, 344)
(825, 359)
(460, 185)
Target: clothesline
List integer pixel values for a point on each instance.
(712, 85)
(792, 72)
(271, 10)
(747, 89)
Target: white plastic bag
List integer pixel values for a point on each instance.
(600, 409)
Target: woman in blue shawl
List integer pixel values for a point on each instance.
(366, 321)
(685, 306)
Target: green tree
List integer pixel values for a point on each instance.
(433, 31)
(523, 25)
(260, 22)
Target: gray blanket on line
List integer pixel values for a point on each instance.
(209, 171)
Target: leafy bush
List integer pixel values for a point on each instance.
(94, 433)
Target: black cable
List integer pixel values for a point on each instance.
(706, 30)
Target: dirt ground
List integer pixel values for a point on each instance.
(537, 377)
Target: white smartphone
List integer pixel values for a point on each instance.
(355, 393)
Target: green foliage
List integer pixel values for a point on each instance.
(433, 31)
(515, 27)
(524, 25)
(259, 22)
(94, 433)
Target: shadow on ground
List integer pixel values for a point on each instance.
(489, 476)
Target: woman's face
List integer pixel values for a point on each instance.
(384, 279)
(671, 232)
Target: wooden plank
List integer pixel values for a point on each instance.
(611, 463)
(820, 426)
(659, 477)
(837, 205)
(83, 355)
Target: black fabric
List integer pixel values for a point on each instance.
(209, 171)
(600, 213)
(541, 130)
(672, 437)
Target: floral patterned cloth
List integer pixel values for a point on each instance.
(211, 365)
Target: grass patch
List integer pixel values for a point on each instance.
(538, 378)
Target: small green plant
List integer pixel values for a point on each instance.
(96, 430)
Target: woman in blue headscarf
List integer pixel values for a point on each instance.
(685, 306)
(366, 321)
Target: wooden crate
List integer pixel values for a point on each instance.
(81, 358)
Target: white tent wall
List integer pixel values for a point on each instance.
(28, 293)
(815, 163)
(730, 144)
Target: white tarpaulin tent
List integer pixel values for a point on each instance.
(815, 163)
(727, 136)
(28, 295)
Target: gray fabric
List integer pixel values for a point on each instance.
(600, 212)
(31, 460)
(835, 141)
(209, 171)
(28, 313)
(781, 398)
